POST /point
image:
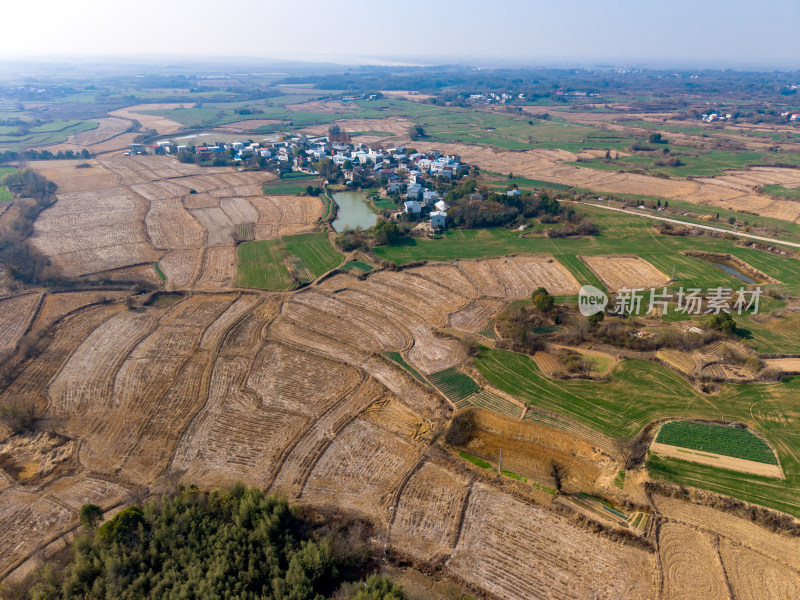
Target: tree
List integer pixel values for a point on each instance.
(608, 155)
(542, 300)
(722, 322)
(655, 138)
(416, 132)
(386, 233)
(596, 319)
(90, 515)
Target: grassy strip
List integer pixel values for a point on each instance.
(398, 358)
(261, 266)
(619, 480)
(314, 250)
(159, 272)
(475, 460)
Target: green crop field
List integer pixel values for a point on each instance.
(715, 162)
(454, 384)
(638, 392)
(779, 190)
(262, 264)
(289, 187)
(53, 132)
(717, 439)
(314, 250)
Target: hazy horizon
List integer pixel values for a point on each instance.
(708, 34)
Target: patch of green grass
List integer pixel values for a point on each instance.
(454, 384)
(513, 475)
(356, 264)
(475, 460)
(384, 203)
(779, 190)
(619, 480)
(298, 175)
(398, 358)
(5, 195)
(314, 250)
(261, 266)
(717, 439)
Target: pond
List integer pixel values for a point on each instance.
(353, 211)
(731, 270)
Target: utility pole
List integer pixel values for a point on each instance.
(500, 466)
(673, 271)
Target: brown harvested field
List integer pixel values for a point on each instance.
(170, 226)
(787, 365)
(360, 468)
(92, 231)
(753, 575)
(681, 361)
(779, 548)
(720, 371)
(517, 276)
(57, 305)
(238, 210)
(474, 316)
(517, 552)
(27, 521)
(625, 272)
(16, 314)
(548, 363)
(219, 268)
(71, 179)
(160, 124)
(219, 228)
(180, 267)
(717, 460)
(690, 565)
(428, 515)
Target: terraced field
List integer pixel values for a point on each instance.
(728, 441)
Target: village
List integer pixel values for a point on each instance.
(401, 173)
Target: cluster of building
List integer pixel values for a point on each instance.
(791, 116)
(712, 117)
(403, 173)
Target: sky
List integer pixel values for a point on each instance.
(709, 33)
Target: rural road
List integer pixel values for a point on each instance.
(708, 227)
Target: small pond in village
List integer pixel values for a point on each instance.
(353, 211)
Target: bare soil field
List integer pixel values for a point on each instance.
(752, 575)
(625, 272)
(428, 515)
(15, 316)
(690, 565)
(516, 551)
(681, 361)
(787, 365)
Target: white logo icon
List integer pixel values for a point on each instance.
(591, 300)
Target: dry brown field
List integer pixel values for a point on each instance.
(625, 272)
(126, 211)
(789, 365)
(682, 361)
(16, 314)
(690, 564)
(160, 124)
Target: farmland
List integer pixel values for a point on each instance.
(275, 264)
(259, 353)
(717, 439)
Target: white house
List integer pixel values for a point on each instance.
(411, 206)
(394, 186)
(438, 219)
(514, 192)
(441, 205)
(429, 197)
